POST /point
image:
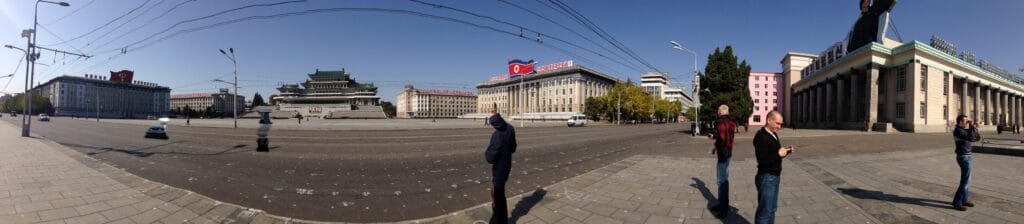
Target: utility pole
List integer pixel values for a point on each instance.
(618, 109)
(234, 102)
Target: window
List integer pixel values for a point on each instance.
(775, 100)
(923, 112)
(924, 78)
(757, 100)
(945, 84)
(757, 108)
(900, 110)
(945, 112)
(757, 118)
(756, 93)
(901, 79)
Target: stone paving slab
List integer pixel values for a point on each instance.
(44, 182)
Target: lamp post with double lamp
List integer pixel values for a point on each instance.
(33, 54)
(24, 108)
(234, 102)
(696, 84)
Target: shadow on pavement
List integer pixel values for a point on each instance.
(734, 215)
(142, 152)
(523, 207)
(998, 151)
(882, 196)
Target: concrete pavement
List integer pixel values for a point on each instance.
(44, 182)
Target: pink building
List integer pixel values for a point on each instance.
(765, 89)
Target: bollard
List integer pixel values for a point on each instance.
(262, 143)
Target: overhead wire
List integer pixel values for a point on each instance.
(106, 24)
(144, 24)
(524, 28)
(15, 72)
(635, 67)
(586, 23)
(125, 23)
(338, 9)
(72, 12)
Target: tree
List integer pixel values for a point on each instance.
(691, 113)
(596, 107)
(725, 82)
(39, 104)
(389, 109)
(257, 100)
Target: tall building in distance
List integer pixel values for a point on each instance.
(659, 85)
(434, 103)
(554, 92)
(219, 102)
(330, 94)
(765, 90)
(119, 96)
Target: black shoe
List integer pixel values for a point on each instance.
(968, 204)
(960, 208)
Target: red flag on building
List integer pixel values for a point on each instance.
(518, 67)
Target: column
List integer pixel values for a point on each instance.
(871, 82)
(855, 96)
(842, 107)
(975, 101)
(830, 116)
(963, 97)
(990, 100)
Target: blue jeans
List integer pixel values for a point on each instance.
(965, 179)
(767, 198)
(723, 183)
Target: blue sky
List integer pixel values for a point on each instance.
(391, 49)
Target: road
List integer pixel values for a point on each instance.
(393, 175)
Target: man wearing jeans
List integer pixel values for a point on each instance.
(726, 129)
(963, 135)
(769, 152)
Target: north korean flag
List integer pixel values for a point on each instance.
(518, 67)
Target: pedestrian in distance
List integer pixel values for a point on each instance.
(769, 152)
(188, 121)
(499, 155)
(726, 130)
(964, 133)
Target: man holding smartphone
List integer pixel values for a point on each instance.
(965, 133)
(769, 152)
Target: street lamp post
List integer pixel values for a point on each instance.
(696, 84)
(24, 108)
(234, 103)
(31, 56)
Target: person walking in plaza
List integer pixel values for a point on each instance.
(726, 130)
(499, 155)
(964, 133)
(769, 152)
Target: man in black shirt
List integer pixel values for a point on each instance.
(769, 152)
(965, 133)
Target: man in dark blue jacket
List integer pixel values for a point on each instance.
(499, 154)
(963, 135)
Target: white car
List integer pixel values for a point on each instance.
(577, 120)
(44, 117)
(156, 131)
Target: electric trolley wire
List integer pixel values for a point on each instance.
(340, 9)
(526, 29)
(586, 23)
(634, 66)
(106, 24)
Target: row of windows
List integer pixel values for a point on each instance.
(766, 100)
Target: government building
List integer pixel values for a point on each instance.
(219, 102)
(765, 89)
(116, 96)
(554, 92)
(328, 94)
(434, 103)
(657, 84)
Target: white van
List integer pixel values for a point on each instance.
(577, 120)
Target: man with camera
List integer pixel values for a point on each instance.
(965, 133)
(769, 152)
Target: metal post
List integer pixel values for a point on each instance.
(234, 107)
(24, 109)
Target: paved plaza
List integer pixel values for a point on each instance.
(44, 182)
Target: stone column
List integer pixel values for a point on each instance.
(855, 96)
(829, 99)
(963, 97)
(976, 102)
(871, 81)
(842, 105)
